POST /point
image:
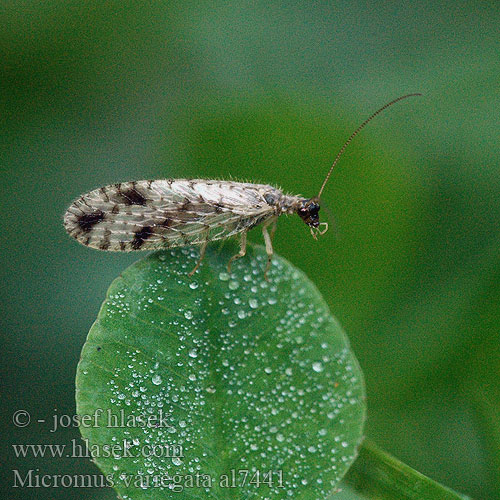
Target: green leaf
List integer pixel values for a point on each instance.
(235, 373)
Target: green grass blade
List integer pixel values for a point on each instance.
(377, 475)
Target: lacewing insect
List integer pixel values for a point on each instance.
(156, 214)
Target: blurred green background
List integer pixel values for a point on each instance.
(100, 92)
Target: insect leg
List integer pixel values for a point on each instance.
(202, 255)
(273, 228)
(241, 253)
(268, 239)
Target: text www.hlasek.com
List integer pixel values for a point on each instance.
(236, 478)
(125, 449)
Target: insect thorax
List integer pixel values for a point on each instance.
(306, 208)
(283, 203)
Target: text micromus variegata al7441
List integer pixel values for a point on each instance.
(156, 214)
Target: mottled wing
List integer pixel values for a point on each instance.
(146, 215)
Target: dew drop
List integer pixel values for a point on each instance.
(156, 380)
(233, 285)
(317, 367)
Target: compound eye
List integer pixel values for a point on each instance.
(313, 209)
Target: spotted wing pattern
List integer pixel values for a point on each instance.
(147, 215)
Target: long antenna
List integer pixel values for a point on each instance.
(356, 132)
